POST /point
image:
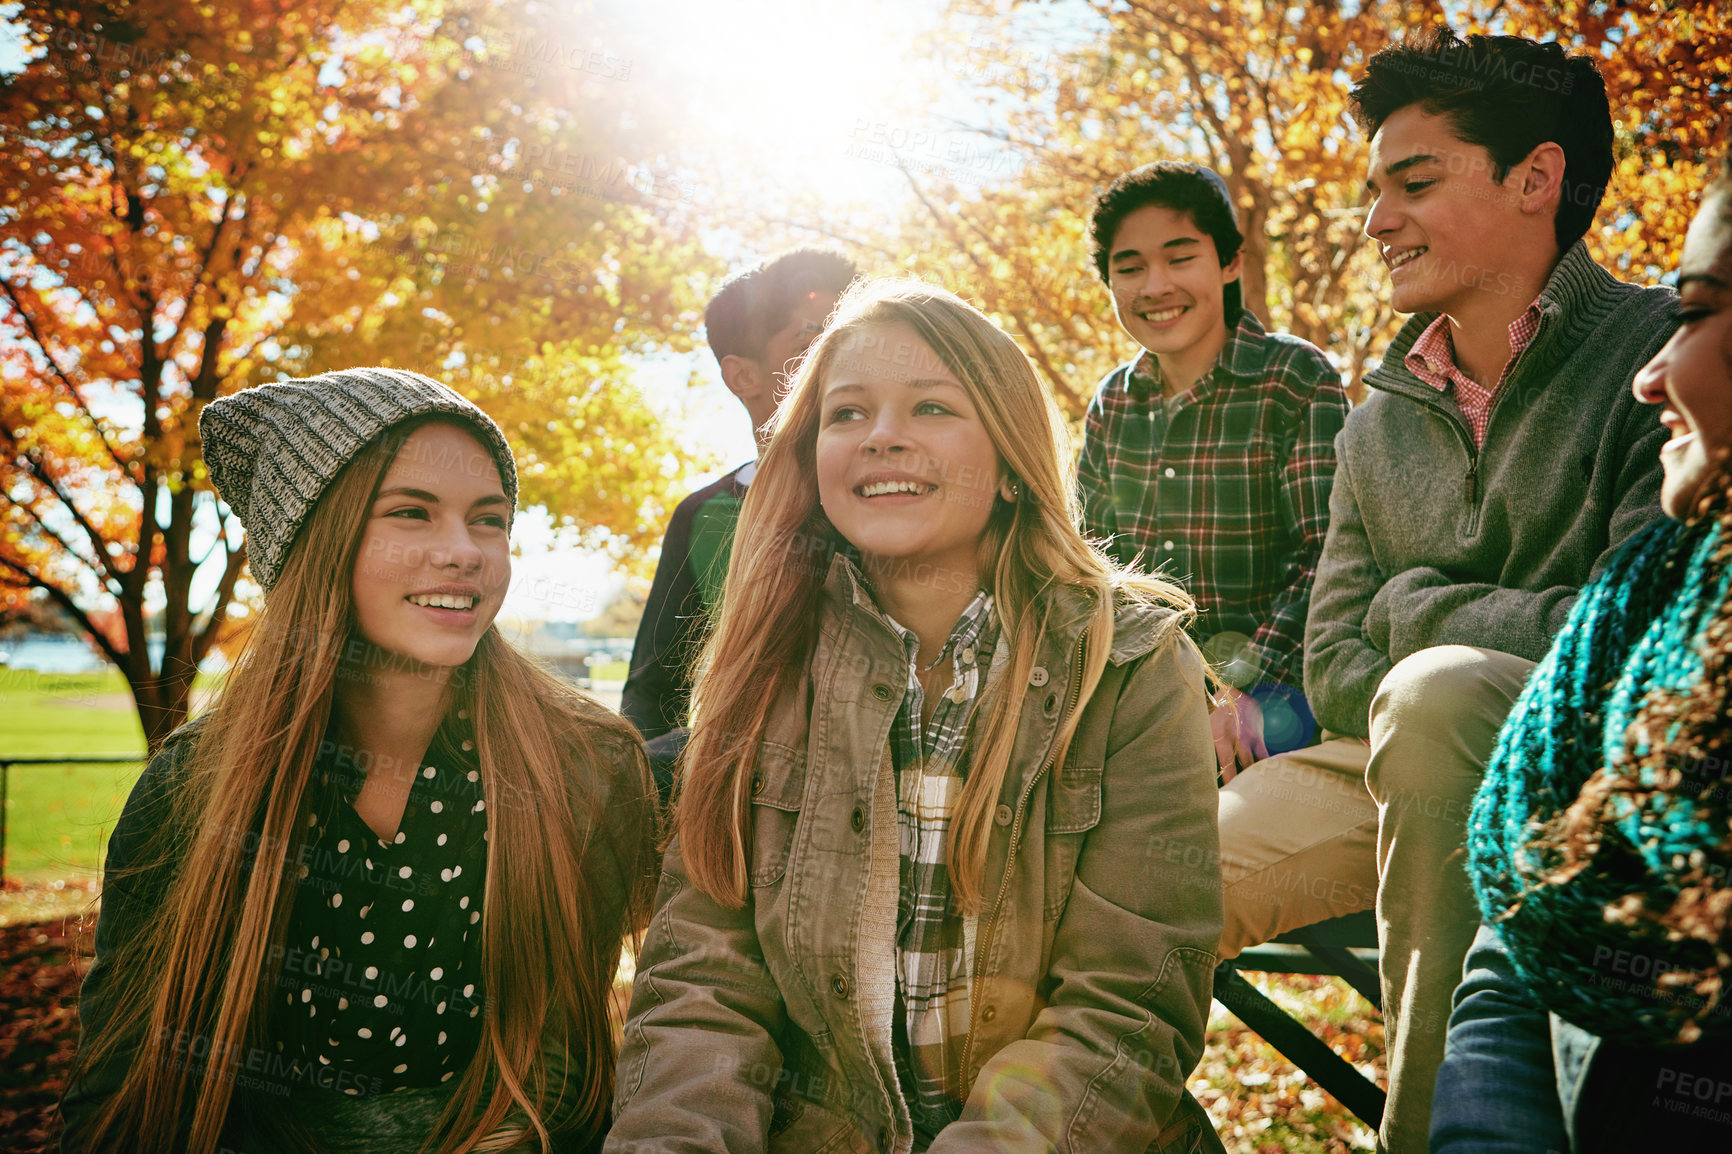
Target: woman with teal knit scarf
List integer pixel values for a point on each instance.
(1593, 1015)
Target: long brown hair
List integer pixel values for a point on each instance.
(550, 948)
(764, 633)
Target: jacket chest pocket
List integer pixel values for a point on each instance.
(778, 785)
(1073, 808)
(1075, 802)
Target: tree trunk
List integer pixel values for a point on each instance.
(163, 700)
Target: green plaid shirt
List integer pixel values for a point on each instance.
(1230, 494)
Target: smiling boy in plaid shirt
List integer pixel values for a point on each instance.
(1212, 453)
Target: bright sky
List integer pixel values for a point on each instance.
(821, 103)
(789, 85)
(11, 45)
(818, 101)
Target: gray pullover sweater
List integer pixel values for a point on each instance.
(1432, 542)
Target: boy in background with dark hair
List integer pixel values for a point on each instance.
(1211, 453)
(758, 325)
(1497, 461)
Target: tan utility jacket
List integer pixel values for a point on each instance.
(769, 1028)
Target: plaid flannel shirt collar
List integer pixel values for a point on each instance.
(1432, 357)
(1245, 356)
(965, 663)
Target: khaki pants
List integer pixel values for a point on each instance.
(1349, 825)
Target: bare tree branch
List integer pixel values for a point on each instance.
(36, 517)
(47, 355)
(820, 230)
(38, 469)
(1042, 361)
(218, 610)
(63, 599)
(200, 281)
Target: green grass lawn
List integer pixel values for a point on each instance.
(58, 816)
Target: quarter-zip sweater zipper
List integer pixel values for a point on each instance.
(1433, 399)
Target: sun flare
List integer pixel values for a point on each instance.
(830, 100)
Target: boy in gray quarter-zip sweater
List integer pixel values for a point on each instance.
(1500, 457)
(1434, 541)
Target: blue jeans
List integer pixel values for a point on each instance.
(1512, 1076)
(1288, 723)
(1497, 1092)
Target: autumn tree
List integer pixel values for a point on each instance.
(199, 197)
(1667, 65)
(1252, 90)
(1258, 92)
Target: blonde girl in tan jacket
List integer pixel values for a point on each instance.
(944, 869)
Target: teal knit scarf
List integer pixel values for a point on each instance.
(1598, 844)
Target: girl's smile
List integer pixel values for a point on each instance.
(1692, 375)
(906, 470)
(893, 485)
(436, 555)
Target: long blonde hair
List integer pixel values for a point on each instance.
(550, 949)
(764, 633)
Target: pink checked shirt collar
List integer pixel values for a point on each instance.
(1432, 360)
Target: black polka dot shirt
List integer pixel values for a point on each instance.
(380, 987)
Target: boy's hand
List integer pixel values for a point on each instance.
(1237, 724)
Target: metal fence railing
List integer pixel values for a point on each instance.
(6, 764)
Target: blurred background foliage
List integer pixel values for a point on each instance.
(533, 201)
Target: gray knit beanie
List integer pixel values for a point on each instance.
(273, 449)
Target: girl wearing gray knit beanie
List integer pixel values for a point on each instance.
(375, 899)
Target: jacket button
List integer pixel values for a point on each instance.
(1002, 815)
(1037, 676)
(858, 819)
(988, 1014)
(757, 784)
(881, 692)
(839, 985)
